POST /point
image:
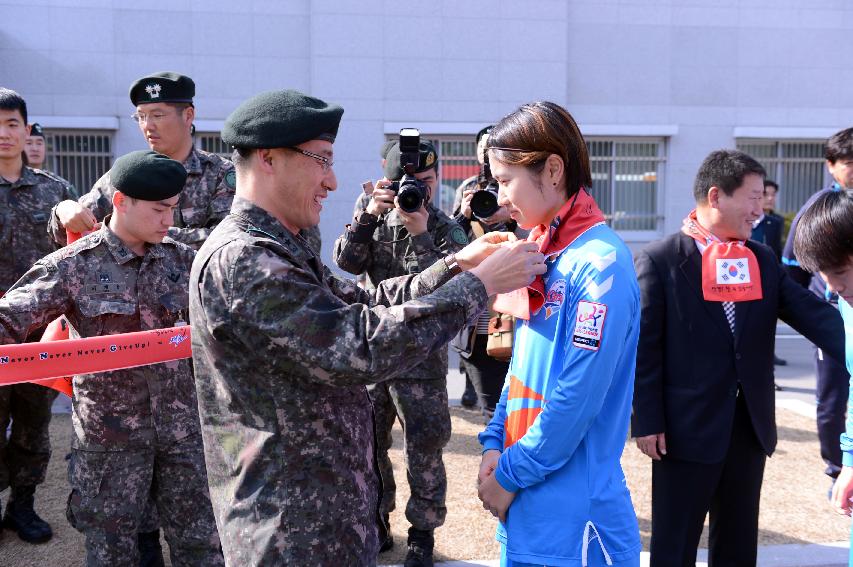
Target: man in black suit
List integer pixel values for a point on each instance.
(768, 228)
(703, 397)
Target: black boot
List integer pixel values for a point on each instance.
(421, 543)
(150, 552)
(386, 541)
(469, 396)
(21, 517)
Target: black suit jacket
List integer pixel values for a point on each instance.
(688, 362)
(772, 225)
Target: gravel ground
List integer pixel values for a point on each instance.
(794, 508)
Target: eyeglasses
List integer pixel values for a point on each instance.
(325, 162)
(154, 117)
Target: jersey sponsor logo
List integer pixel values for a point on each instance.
(589, 325)
(732, 271)
(555, 297)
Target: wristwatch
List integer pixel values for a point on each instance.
(452, 265)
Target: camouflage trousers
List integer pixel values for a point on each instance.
(111, 490)
(421, 406)
(25, 455)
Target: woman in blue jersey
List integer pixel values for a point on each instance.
(824, 244)
(551, 466)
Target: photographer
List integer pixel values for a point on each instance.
(484, 371)
(385, 241)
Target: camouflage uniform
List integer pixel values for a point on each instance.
(282, 351)
(204, 202)
(385, 250)
(24, 240)
(133, 428)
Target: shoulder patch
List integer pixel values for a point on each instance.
(231, 179)
(458, 236)
(589, 325)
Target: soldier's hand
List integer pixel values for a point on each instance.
(416, 221)
(75, 217)
(483, 247)
(511, 267)
(382, 199)
(465, 207)
(488, 464)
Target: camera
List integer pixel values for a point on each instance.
(411, 192)
(484, 203)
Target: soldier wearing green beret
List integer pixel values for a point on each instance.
(165, 114)
(136, 431)
(28, 195)
(283, 349)
(383, 242)
(34, 149)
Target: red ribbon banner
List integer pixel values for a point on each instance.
(45, 362)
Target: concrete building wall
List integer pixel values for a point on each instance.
(696, 72)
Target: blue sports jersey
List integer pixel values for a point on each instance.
(847, 436)
(564, 412)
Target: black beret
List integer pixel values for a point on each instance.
(427, 159)
(36, 130)
(148, 176)
(162, 87)
(280, 119)
(484, 131)
(383, 151)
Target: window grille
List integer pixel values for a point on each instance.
(626, 181)
(212, 142)
(796, 165)
(80, 156)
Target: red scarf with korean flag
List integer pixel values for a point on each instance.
(574, 218)
(729, 269)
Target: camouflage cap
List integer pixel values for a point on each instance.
(36, 130)
(280, 119)
(162, 87)
(148, 176)
(427, 159)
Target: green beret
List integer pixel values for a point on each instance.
(162, 87)
(148, 176)
(280, 119)
(427, 159)
(484, 131)
(36, 130)
(383, 151)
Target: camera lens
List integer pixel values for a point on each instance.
(484, 204)
(410, 198)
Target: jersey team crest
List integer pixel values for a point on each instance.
(732, 271)
(555, 297)
(589, 325)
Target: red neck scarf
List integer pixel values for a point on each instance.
(729, 269)
(577, 215)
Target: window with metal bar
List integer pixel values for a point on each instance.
(212, 142)
(796, 165)
(80, 156)
(626, 181)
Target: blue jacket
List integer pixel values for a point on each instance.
(847, 436)
(563, 416)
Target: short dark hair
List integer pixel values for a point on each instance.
(10, 100)
(839, 146)
(536, 130)
(240, 157)
(725, 169)
(771, 183)
(824, 236)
